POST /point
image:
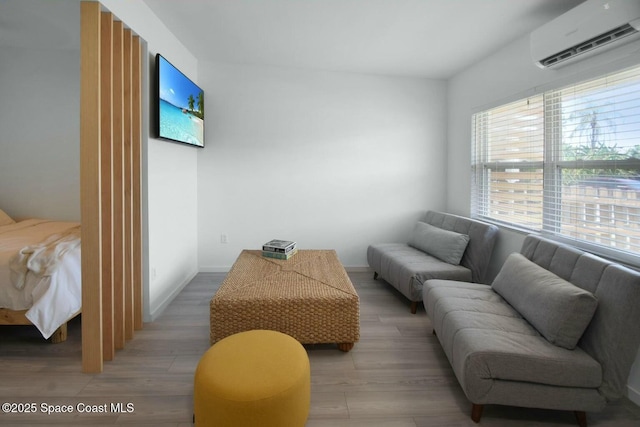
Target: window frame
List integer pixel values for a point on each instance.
(552, 166)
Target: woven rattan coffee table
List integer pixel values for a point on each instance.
(308, 296)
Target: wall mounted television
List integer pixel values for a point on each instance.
(179, 105)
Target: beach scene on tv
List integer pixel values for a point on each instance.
(181, 106)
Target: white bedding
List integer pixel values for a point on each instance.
(51, 299)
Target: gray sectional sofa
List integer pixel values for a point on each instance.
(557, 329)
(442, 246)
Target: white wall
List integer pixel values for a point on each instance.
(507, 75)
(170, 172)
(330, 160)
(40, 148)
(40, 116)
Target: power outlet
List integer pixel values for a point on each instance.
(224, 238)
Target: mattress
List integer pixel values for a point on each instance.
(50, 299)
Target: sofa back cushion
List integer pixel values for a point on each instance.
(559, 310)
(447, 246)
(482, 238)
(612, 338)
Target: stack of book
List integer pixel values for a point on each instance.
(279, 249)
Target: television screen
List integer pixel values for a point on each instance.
(180, 105)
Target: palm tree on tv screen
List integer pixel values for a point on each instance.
(191, 102)
(201, 104)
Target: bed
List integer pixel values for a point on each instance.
(40, 280)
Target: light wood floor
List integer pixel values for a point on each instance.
(396, 376)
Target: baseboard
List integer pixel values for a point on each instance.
(358, 269)
(164, 304)
(633, 395)
(214, 269)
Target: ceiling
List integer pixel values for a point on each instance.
(426, 38)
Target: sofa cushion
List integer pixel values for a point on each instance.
(485, 355)
(559, 310)
(482, 238)
(486, 339)
(445, 245)
(612, 337)
(407, 268)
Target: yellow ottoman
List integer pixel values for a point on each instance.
(253, 379)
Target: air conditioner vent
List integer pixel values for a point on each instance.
(595, 42)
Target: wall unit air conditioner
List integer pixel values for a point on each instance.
(587, 29)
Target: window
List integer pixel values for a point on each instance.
(565, 162)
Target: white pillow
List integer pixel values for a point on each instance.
(5, 219)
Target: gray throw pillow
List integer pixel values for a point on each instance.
(559, 310)
(445, 245)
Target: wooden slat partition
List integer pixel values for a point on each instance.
(110, 156)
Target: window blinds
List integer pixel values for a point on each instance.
(565, 162)
(508, 162)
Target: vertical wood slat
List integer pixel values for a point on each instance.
(90, 207)
(106, 94)
(118, 185)
(136, 176)
(128, 232)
